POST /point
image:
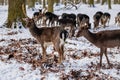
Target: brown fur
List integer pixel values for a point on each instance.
(117, 20)
(46, 34)
(103, 40)
(97, 18)
(105, 18)
(104, 21)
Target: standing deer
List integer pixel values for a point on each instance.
(97, 18)
(105, 18)
(117, 19)
(103, 39)
(47, 35)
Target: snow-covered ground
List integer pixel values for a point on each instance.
(81, 57)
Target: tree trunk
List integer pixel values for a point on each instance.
(40, 1)
(91, 3)
(98, 1)
(31, 3)
(50, 5)
(57, 2)
(118, 1)
(1, 2)
(103, 1)
(15, 11)
(62, 1)
(65, 2)
(46, 2)
(115, 1)
(5, 2)
(84, 1)
(109, 4)
(44, 5)
(76, 1)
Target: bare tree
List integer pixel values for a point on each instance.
(109, 4)
(15, 11)
(1, 2)
(50, 5)
(57, 2)
(31, 3)
(91, 2)
(44, 5)
(103, 1)
(84, 1)
(98, 1)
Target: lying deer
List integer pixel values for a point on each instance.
(103, 39)
(46, 35)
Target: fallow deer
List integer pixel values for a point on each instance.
(97, 18)
(69, 16)
(37, 16)
(68, 24)
(105, 18)
(81, 18)
(103, 39)
(51, 17)
(117, 19)
(47, 35)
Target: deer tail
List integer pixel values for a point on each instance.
(63, 35)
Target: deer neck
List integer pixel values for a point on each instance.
(90, 36)
(34, 30)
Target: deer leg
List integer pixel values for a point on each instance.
(104, 24)
(44, 21)
(56, 47)
(115, 20)
(43, 51)
(61, 52)
(52, 22)
(40, 21)
(101, 54)
(59, 49)
(108, 21)
(106, 56)
(72, 31)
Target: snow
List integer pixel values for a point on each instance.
(80, 55)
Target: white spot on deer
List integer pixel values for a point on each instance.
(62, 42)
(62, 39)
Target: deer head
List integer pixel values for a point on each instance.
(83, 26)
(29, 22)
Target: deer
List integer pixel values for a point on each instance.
(37, 16)
(97, 16)
(117, 19)
(105, 18)
(81, 18)
(68, 24)
(102, 40)
(47, 36)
